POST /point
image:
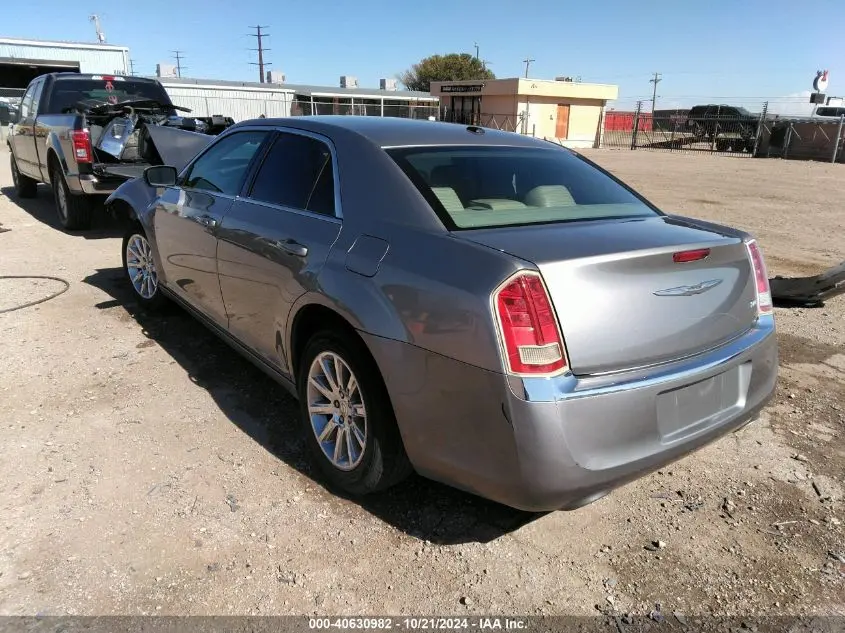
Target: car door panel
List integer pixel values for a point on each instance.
(187, 219)
(274, 242)
(268, 257)
(23, 140)
(185, 224)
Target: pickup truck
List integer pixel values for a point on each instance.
(84, 135)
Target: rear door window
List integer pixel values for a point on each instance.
(481, 187)
(296, 173)
(26, 103)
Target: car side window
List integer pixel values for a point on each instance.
(36, 97)
(26, 103)
(297, 173)
(223, 168)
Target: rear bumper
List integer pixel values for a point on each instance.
(558, 443)
(91, 184)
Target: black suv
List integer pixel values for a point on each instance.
(729, 124)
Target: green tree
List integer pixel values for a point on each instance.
(451, 67)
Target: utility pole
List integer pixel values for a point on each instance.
(476, 50)
(484, 64)
(131, 66)
(527, 63)
(179, 57)
(655, 80)
(261, 50)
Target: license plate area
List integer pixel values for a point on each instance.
(692, 408)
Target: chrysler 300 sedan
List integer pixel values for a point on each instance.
(493, 311)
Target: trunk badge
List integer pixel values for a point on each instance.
(687, 291)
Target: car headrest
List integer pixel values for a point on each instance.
(549, 196)
(448, 198)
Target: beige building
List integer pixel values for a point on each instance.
(568, 111)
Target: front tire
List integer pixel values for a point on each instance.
(74, 212)
(25, 187)
(140, 269)
(347, 416)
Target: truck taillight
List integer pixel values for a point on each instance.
(81, 140)
(530, 336)
(761, 278)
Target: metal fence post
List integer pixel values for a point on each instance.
(838, 138)
(636, 125)
(787, 141)
(760, 125)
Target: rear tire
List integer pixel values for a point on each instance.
(140, 269)
(74, 212)
(25, 187)
(371, 456)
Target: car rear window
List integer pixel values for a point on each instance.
(481, 187)
(67, 93)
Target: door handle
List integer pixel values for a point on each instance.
(291, 246)
(205, 220)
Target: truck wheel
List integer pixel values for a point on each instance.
(74, 212)
(25, 186)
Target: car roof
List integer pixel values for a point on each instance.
(399, 132)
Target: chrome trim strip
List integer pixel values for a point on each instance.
(570, 387)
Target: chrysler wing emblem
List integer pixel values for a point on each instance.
(687, 291)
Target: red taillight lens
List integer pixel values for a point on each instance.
(81, 140)
(761, 277)
(532, 341)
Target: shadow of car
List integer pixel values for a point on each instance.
(258, 406)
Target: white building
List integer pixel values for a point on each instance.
(21, 61)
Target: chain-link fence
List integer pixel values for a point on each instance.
(726, 130)
(705, 129)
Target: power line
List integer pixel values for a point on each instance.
(179, 57)
(527, 63)
(261, 63)
(655, 80)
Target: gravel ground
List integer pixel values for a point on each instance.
(148, 469)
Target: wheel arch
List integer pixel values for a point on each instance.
(309, 319)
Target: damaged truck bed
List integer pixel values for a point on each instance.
(85, 135)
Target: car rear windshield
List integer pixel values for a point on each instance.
(67, 93)
(480, 187)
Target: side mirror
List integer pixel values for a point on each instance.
(160, 176)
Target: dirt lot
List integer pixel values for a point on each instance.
(149, 469)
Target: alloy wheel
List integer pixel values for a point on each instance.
(336, 409)
(140, 266)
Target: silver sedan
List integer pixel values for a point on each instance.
(493, 311)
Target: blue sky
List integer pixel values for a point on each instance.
(722, 50)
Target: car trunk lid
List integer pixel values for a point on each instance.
(622, 299)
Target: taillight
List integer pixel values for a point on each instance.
(761, 278)
(81, 140)
(530, 335)
(684, 257)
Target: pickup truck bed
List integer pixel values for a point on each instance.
(84, 135)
